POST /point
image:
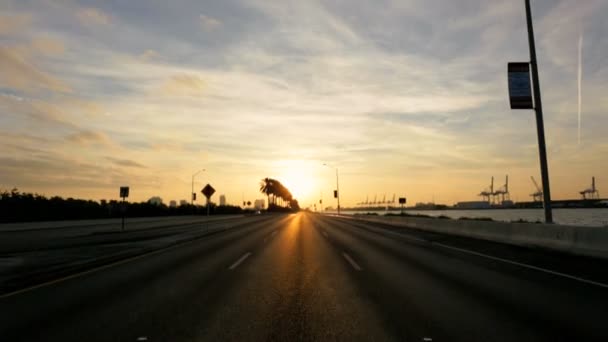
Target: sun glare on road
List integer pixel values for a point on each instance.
(299, 177)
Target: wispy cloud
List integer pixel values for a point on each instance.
(93, 16)
(209, 23)
(125, 162)
(19, 73)
(13, 22)
(47, 46)
(406, 95)
(86, 137)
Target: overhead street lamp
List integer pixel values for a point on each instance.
(337, 192)
(192, 194)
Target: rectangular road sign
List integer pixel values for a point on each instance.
(402, 200)
(124, 191)
(520, 86)
(335, 193)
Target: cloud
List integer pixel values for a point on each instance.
(13, 22)
(209, 23)
(47, 46)
(36, 114)
(17, 72)
(92, 16)
(354, 82)
(149, 55)
(125, 162)
(183, 84)
(87, 137)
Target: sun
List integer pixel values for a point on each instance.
(299, 177)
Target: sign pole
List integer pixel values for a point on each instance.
(123, 214)
(540, 128)
(124, 193)
(402, 201)
(338, 190)
(208, 191)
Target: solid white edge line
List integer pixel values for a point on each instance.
(536, 268)
(238, 262)
(351, 261)
(105, 266)
(99, 268)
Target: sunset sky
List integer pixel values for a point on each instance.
(406, 97)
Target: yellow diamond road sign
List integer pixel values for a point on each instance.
(208, 191)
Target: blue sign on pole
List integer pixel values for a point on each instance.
(520, 86)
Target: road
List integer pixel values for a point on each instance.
(305, 277)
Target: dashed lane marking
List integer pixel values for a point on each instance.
(351, 262)
(238, 262)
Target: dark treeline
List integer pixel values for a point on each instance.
(22, 207)
(279, 197)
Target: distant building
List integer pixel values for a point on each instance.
(259, 204)
(183, 202)
(473, 205)
(155, 200)
(173, 204)
(422, 205)
(222, 199)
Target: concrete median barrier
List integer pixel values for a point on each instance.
(586, 241)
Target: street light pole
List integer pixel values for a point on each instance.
(540, 127)
(192, 192)
(337, 188)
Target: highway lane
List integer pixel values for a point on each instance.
(452, 294)
(307, 277)
(28, 257)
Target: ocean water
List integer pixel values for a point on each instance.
(594, 217)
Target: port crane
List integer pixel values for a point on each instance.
(590, 193)
(538, 195)
(503, 192)
(488, 193)
(364, 203)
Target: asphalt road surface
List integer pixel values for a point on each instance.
(307, 277)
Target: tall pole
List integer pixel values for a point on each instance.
(540, 127)
(123, 214)
(192, 191)
(338, 190)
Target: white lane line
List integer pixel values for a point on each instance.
(536, 268)
(396, 234)
(351, 261)
(238, 262)
(270, 236)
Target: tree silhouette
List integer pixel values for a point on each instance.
(281, 196)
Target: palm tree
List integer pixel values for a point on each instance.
(274, 188)
(267, 187)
